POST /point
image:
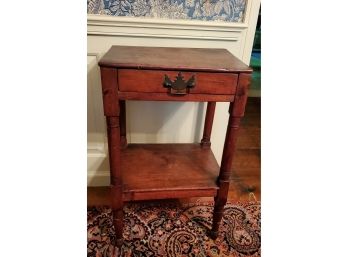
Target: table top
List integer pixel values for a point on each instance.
(173, 58)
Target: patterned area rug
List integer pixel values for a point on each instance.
(157, 229)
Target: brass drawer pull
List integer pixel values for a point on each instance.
(179, 86)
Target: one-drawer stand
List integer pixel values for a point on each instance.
(160, 171)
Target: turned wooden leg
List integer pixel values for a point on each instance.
(112, 111)
(123, 124)
(117, 212)
(236, 111)
(225, 173)
(113, 125)
(208, 124)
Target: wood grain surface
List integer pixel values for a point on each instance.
(167, 169)
(168, 97)
(152, 81)
(246, 171)
(172, 58)
(160, 171)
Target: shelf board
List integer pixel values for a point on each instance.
(157, 171)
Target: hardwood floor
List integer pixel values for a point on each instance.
(246, 177)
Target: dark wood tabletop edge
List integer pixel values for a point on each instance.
(181, 68)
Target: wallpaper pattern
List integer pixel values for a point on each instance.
(207, 10)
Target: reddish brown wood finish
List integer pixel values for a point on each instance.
(109, 90)
(236, 111)
(245, 183)
(123, 124)
(173, 58)
(113, 128)
(166, 170)
(112, 112)
(208, 124)
(151, 81)
(168, 97)
(141, 172)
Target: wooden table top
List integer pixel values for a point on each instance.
(173, 58)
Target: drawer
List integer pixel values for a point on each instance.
(152, 81)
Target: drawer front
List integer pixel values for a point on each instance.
(152, 81)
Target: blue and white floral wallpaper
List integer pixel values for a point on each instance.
(207, 10)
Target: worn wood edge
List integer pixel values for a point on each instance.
(168, 97)
(125, 189)
(168, 194)
(109, 64)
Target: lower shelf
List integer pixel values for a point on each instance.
(159, 171)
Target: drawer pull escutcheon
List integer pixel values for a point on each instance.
(179, 86)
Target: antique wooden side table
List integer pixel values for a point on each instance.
(159, 171)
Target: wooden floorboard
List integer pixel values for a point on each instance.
(246, 176)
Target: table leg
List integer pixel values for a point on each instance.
(208, 124)
(236, 111)
(113, 125)
(225, 173)
(117, 213)
(123, 124)
(112, 112)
